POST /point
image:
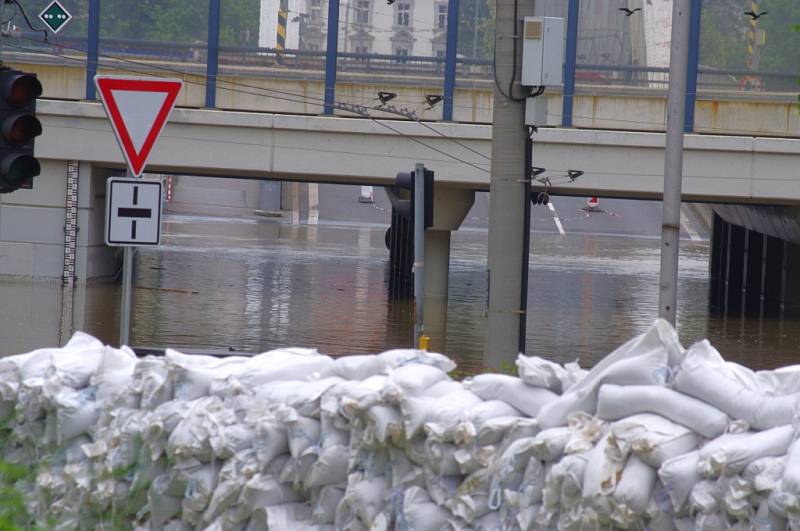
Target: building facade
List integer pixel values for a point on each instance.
(406, 27)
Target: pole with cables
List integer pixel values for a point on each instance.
(508, 189)
(673, 163)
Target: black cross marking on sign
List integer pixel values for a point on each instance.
(135, 213)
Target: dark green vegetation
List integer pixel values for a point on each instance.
(723, 41)
(13, 514)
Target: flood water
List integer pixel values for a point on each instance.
(253, 284)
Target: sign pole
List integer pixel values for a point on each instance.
(419, 251)
(127, 281)
(138, 109)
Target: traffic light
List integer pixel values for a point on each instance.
(18, 129)
(405, 206)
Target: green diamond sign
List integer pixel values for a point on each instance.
(55, 16)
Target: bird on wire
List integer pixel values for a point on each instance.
(755, 16)
(628, 11)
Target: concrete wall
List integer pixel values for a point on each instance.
(32, 225)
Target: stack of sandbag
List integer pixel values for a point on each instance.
(652, 437)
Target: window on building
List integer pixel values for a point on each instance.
(441, 16)
(362, 11)
(402, 52)
(315, 13)
(403, 14)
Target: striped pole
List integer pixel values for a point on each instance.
(751, 38)
(280, 44)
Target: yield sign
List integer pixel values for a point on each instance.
(138, 109)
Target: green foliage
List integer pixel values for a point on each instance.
(13, 513)
(184, 21)
(476, 29)
(723, 36)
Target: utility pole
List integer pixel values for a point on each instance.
(475, 32)
(508, 197)
(673, 160)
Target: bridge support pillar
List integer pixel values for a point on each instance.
(449, 210)
(752, 273)
(450, 207)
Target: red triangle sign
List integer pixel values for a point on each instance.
(138, 108)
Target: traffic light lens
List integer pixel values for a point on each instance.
(24, 89)
(19, 129)
(16, 169)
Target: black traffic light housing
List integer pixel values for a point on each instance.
(18, 129)
(404, 186)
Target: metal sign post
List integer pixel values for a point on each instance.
(419, 251)
(127, 288)
(138, 109)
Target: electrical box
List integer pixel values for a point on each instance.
(543, 52)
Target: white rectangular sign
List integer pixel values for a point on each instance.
(133, 212)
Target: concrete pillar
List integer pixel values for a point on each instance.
(718, 264)
(32, 234)
(773, 277)
(437, 271)
(734, 275)
(791, 283)
(753, 284)
(751, 272)
(269, 198)
(450, 207)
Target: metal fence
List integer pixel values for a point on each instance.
(205, 59)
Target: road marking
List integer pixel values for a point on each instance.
(555, 218)
(313, 203)
(688, 227)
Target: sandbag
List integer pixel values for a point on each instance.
(703, 376)
(642, 361)
(731, 453)
(511, 390)
(616, 402)
(632, 492)
(539, 372)
(679, 475)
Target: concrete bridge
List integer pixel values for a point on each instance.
(744, 153)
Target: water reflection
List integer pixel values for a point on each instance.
(252, 285)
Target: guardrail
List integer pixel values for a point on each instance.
(193, 55)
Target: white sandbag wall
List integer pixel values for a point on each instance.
(654, 436)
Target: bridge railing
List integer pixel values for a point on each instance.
(178, 58)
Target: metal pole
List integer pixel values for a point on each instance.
(507, 190)
(569, 62)
(419, 250)
(673, 163)
(331, 54)
(93, 48)
(526, 245)
(450, 60)
(127, 280)
(694, 58)
(475, 32)
(2, 10)
(212, 60)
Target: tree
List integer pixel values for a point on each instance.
(475, 25)
(180, 21)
